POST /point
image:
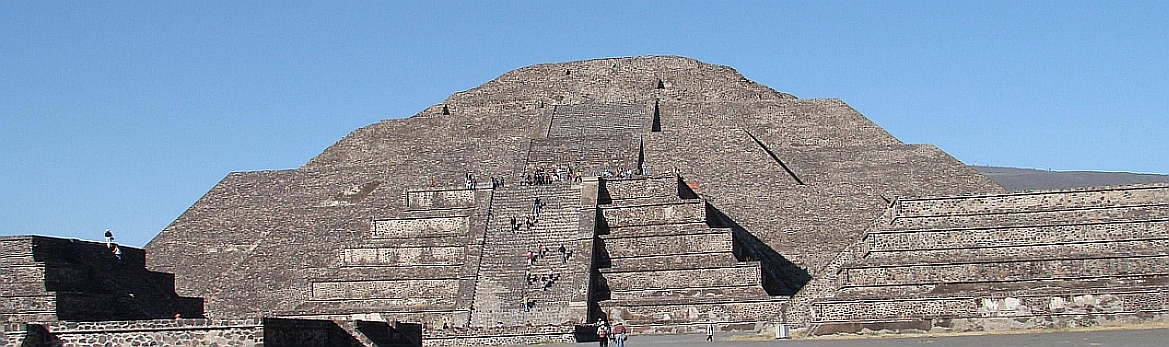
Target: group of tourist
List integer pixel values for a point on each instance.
(560, 173)
(547, 279)
(527, 224)
(529, 221)
(618, 333)
(541, 253)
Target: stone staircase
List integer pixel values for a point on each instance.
(662, 268)
(501, 285)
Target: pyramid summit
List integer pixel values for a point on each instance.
(665, 193)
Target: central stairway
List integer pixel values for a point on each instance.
(558, 293)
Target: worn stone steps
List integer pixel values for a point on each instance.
(501, 284)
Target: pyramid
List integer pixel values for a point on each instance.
(680, 191)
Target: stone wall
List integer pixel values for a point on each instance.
(184, 332)
(46, 279)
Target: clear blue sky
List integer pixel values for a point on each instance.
(122, 114)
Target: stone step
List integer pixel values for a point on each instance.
(666, 245)
(1004, 271)
(1033, 219)
(669, 261)
(740, 275)
(688, 295)
(1085, 198)
(25, 258)
(645, 317)
(662, 230)
(640, 188)
(1015, 236)
(1009, 288)
(1034, 252)
(685, 211)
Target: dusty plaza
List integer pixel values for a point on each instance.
(666, 194)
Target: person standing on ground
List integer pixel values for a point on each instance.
(109, 239)
(619, 336)
(563, 254)
(603, 333)
(710, 332)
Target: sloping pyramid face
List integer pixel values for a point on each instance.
(384, 221)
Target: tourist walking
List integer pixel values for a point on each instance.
(710, 332)
(563, 254)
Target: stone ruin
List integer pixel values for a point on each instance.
(681, 194)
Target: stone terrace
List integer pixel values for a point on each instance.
(662, 267)
(49, 279)
(1023, 256)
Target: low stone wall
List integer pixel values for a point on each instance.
(495, 336)
(656, 318)
(740, 275)
(988, 313)
(186, 332)
(268, 332)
